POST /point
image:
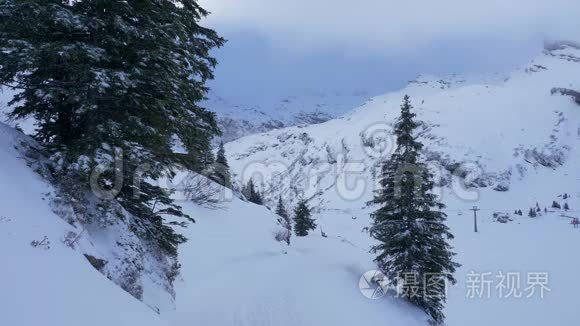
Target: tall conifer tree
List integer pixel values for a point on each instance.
(284, 219)
(222, 168)
(303, 222)
(281, 210)
(252, 194)
(409, 225)
(114, 81)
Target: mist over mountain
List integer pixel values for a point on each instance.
(260, 86)
(289, 163)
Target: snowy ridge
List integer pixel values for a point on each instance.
(464, 123)
(238, 119)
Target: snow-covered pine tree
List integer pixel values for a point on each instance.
(222, 168)
(566, 207)
(303, 221)
(555, 204)
(205, 159)
(248, 190)
(281, 211)
(284, 219)
(252, 194)
(410, 226)
(111, 84)
(257, 198)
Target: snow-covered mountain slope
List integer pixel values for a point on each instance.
(501, 143)
(237, 119)
(42, 280)
(495, 131)
(233, 272)
(521, 247)
(108, 244)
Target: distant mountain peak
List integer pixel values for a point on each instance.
(465, 120)
(239, 119)
(552, 45)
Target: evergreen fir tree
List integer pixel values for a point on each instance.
(303, 222)
(566, 207)
(555, 204)
(410, 226)
(109, 82)
(248, 189)
(258, 199)
(206, 159)
(281, 210)
(252, 194)
(285, 219)
(222, 168)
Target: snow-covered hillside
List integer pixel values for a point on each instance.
(42, 280)
(233, 272)
(502, 143)
(498, 131)
(514, 141)
(237, 119)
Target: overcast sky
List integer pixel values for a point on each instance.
(282, 46)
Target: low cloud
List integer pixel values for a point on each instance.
(396, 26)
